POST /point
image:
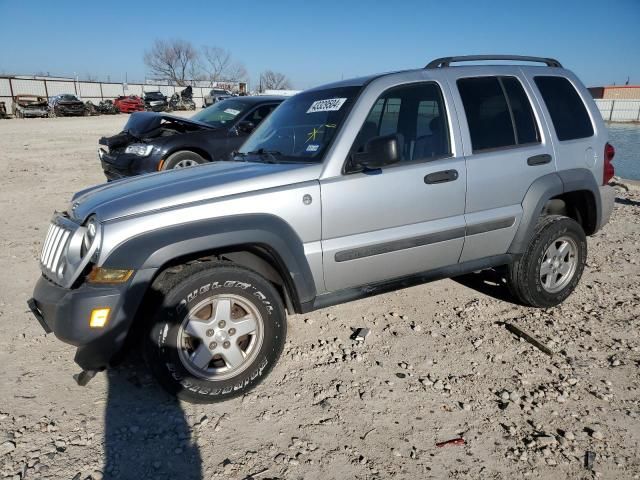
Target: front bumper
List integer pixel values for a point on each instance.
(123, 165)
(30, 113)
(156, 108)
(66, 313)
(66, 111)
(607, 199)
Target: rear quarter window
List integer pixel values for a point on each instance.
(567, 110)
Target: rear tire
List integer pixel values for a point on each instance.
(183, 159)
(550, 268)
(218, 332)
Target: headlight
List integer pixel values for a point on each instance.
(139, 149)
(89, 235)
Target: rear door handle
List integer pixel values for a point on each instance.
(441, 177)
(539, 159)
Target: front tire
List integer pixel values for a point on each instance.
(183, 159)
(218, 332)
(549, 270)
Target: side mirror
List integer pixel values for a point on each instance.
(378, 152)
(246, 126)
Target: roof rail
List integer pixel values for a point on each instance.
(446, 61)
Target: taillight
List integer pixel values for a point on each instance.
(609, 171)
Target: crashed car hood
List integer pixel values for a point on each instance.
(31, 104)
(172, 188)
(142, 122)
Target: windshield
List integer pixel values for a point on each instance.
(154, 95)
(302, 128)
(68, 98)
(221, 114)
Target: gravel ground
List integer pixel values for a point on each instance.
(438, 365)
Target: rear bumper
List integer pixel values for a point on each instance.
(130, 109)
(66, 313)
(607, 200)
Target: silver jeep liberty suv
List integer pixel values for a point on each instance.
(347, 190)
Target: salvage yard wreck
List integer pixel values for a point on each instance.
(158, 141)
(67, 105)
(25, 106)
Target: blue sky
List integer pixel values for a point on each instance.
(318, 42)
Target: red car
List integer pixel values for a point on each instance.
(129, 104)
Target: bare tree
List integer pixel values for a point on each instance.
(270, 80)
(218, 64)
(172, 60)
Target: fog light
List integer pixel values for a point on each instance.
(109, 275)
(99, 317)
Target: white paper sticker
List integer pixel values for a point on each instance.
(313, 147)
(327, 105)
(232, 111)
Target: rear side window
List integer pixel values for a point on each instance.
(567, 110)
(523, 117)
(498, 112)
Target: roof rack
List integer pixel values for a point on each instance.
(446, 61)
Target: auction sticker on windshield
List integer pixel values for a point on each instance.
(326, 105)
(232, 111)
(312, 147)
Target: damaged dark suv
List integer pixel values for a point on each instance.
(152, 142)
(155, 101)
(67, 105)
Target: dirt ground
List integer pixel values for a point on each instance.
(439, 364)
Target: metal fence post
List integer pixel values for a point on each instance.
(46, 90)
(613, 103)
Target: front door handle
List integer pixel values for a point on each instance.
(539, 159)
(441, 177)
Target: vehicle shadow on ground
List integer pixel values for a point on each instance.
(488, 282)
(146, 432)
(627, 201)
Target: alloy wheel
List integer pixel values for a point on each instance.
(558, 264)
(220, 337)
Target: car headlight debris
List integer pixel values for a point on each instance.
(139, 149)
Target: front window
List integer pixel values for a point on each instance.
(68, 98)
(302, 128)
(221, 114)
(416, 115)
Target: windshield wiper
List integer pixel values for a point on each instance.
(264, 154)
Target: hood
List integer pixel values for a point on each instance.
(140, 123)
(173, 188)
(31, 103)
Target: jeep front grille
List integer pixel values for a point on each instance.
(54, 246)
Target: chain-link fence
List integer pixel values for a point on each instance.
(619, 110)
